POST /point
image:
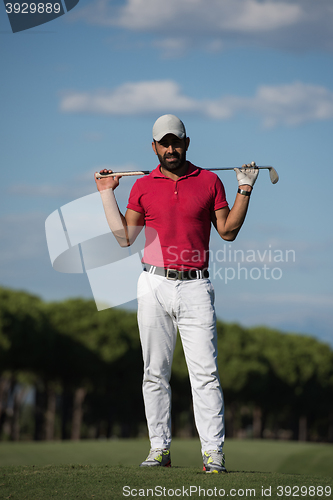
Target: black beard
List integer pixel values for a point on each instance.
(181, 159)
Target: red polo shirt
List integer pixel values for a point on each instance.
(180, 212)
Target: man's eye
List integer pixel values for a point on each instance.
(174, 144)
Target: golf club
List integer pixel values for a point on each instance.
(272, 173)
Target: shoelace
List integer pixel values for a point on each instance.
(154, 453)
(217, 457)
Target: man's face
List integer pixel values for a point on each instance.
(171, 151)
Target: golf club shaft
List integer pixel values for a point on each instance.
(272, 172)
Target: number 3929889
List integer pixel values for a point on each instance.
(33, 8)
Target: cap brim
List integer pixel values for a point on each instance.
(158, 137)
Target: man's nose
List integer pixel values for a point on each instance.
(170, 148)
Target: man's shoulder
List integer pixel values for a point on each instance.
(144, 182)
(205, 174)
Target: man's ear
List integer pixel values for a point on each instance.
(187, 143)
(154, 147)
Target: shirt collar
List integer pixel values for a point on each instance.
(192, 170)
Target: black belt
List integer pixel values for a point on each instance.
(174, 274)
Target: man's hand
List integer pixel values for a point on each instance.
(107, 182)
(247, 175)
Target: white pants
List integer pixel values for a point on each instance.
(164, 305)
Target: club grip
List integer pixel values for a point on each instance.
(121, 174)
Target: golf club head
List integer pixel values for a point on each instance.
(273, 175)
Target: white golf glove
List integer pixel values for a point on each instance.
(247, 174)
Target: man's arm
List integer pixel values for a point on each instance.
(228, 222)
(125, 228)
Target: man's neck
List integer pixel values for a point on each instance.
(176, 173)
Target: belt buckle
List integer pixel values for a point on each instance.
(175, 277)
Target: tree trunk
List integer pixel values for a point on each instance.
(66, 402)
(4, 388)
(79, 396)
(39, 413)
(231, 420)
(50, 414)
(302, 428)
(330, 428)
(19, 395)
(4, 392)
(257, 422)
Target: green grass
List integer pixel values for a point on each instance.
(101, 482)
(101, 469)
(243, 455)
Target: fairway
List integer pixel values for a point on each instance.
(244, 455)
(109, 470)
(103, 482)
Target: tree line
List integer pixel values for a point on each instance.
(70, 372)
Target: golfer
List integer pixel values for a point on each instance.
(180, 202)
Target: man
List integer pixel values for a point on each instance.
(180, 202)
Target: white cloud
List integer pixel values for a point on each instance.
(290, 104)
(83, 185)
(293, 104)
(172, 46)
(289, 24)
(40, 190)
(129, 99)
(253, 16)
(195, 15)
(62, 191)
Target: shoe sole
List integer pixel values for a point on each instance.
(156, 465)
(214, 471)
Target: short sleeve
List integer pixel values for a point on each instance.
(219, 195)
(134, 201)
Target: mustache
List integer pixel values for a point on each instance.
(172, 155)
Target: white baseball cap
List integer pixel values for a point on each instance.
(168, 124)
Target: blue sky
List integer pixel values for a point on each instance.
(252, 80)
